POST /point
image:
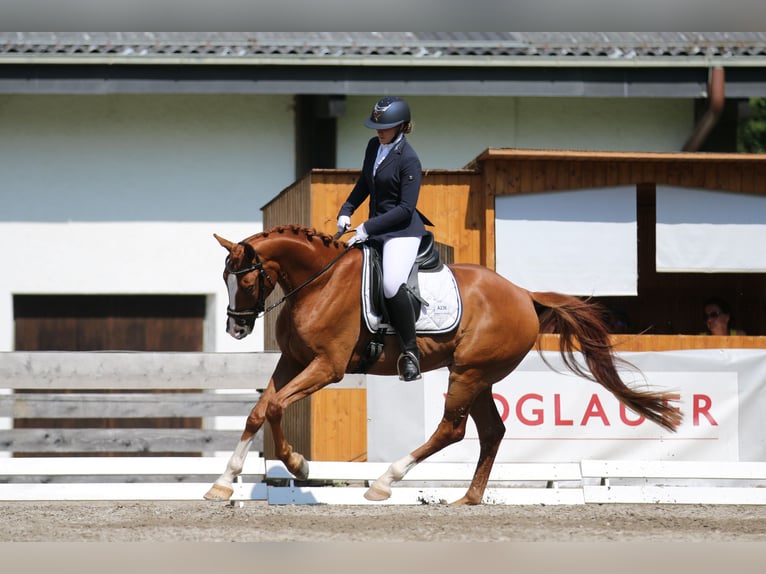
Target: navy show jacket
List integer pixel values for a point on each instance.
(393, 192)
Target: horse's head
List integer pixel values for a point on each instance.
(248, 285)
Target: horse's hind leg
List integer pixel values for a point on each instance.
(451, 429)
(491, 430)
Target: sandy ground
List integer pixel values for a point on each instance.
(260, 522)
(201, 537)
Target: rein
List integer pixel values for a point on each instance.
(259, 311)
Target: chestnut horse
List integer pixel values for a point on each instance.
(322, 335)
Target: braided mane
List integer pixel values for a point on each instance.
(309, 233)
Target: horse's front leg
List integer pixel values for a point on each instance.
(223, 488)
(317, 375)
(294, 462)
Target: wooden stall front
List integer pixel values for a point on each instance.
(667, 303)
(461, 203)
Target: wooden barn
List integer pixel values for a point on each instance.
(724, 195)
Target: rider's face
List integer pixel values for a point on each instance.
(387, 136)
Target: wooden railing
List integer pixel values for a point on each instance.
(51, 388)
(647, 343)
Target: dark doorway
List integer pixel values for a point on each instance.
(316, 129)
(161, 323)
(152, 323)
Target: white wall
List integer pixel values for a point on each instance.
(120, 258)
(121, 194)
(450, 131)
(143, 158)
(115, 194)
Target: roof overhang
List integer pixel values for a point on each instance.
(365, 79)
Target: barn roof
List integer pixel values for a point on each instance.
(587, 64)
(425, 48)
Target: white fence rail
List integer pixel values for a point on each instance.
(186, 478)
(675, 482)
(428, 483)
(137, 478)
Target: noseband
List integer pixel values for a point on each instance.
(260, 303)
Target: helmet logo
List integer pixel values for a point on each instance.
(379, 111)
(388, 112)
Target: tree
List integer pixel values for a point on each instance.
(751, 135)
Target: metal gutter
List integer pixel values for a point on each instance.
(716, 100)
(398, 61)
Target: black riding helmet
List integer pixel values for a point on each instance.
(389, 112)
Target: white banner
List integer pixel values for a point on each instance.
(593, 231)
(557, 417)
(707, 231)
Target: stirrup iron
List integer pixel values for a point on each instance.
(415, 362)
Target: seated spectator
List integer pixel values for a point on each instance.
(718, 318)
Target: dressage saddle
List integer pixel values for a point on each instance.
(427, 260)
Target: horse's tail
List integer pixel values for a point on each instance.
(582, 322)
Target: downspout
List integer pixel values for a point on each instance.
(716, 101)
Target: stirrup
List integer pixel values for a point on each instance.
(408, 374)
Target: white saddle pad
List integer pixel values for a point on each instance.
(438, 288)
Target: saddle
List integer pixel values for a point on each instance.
(427, 260)
(432, 289)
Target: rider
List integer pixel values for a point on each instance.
(391, 175)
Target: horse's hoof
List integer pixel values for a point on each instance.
(465, 501)
(219, 493)
(302, 471)
(376, 494)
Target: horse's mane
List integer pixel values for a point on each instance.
(309, 233)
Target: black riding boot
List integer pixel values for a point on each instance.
(403, 317)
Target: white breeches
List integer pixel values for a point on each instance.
(399, 255)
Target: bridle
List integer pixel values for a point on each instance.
(260, 303)
(260, 309)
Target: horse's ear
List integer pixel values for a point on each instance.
(228, 245)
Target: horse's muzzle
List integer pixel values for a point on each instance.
(240, 323)
(239, 328)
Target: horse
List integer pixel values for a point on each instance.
(321, 335)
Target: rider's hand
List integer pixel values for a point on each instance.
(344, 222)
(361, 235)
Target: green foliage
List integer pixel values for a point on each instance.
(751, 133)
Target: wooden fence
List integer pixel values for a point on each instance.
(90, 386)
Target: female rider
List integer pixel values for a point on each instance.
(391, 175)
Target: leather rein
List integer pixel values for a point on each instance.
(260, 309)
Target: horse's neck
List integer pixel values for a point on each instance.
(299, 260)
